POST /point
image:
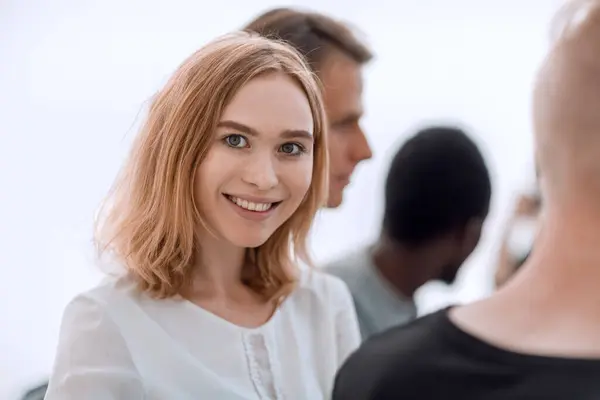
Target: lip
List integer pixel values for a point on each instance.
(253, 198)
(256, 216)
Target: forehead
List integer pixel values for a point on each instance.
(342, 86)
(271, 103)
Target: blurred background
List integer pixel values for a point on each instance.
(75, 75)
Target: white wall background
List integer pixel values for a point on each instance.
(74, 74)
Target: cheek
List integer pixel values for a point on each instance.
(209, 175)
(201, 188)
(298, 178)
(336, 147)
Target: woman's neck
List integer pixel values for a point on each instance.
(218, 269)
(217, 285)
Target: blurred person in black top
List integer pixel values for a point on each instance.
(538, 336)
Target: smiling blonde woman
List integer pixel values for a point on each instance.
(208, 220)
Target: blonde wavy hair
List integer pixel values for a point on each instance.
(150, 218)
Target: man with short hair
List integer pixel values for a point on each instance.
(437, 196)
(337, 56)
(538, 336)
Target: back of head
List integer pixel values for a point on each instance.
(437, 184)
(313, 34)
(567, 105)
(151, 219)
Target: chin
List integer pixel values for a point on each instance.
(449, 278)
(335, 199)
(249, 240)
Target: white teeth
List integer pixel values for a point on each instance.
(248, 205)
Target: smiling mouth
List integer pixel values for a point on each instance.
(252, 206)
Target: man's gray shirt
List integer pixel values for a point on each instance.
(378, 305)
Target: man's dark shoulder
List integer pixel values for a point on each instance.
(401, 353)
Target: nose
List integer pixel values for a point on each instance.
(361, 149)
(260, 172)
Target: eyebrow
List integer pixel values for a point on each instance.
(287, 134)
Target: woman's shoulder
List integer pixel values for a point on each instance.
(110, 293)
(322, 286)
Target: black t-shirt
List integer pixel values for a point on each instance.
(431, 358)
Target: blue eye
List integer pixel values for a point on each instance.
(237, 141)
(292, 149)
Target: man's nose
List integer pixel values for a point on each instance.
(360, 146)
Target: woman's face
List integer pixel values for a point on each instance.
(260, 165)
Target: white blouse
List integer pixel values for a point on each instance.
(117, 343)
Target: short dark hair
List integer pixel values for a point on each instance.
(437, 182)
(312, 34)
